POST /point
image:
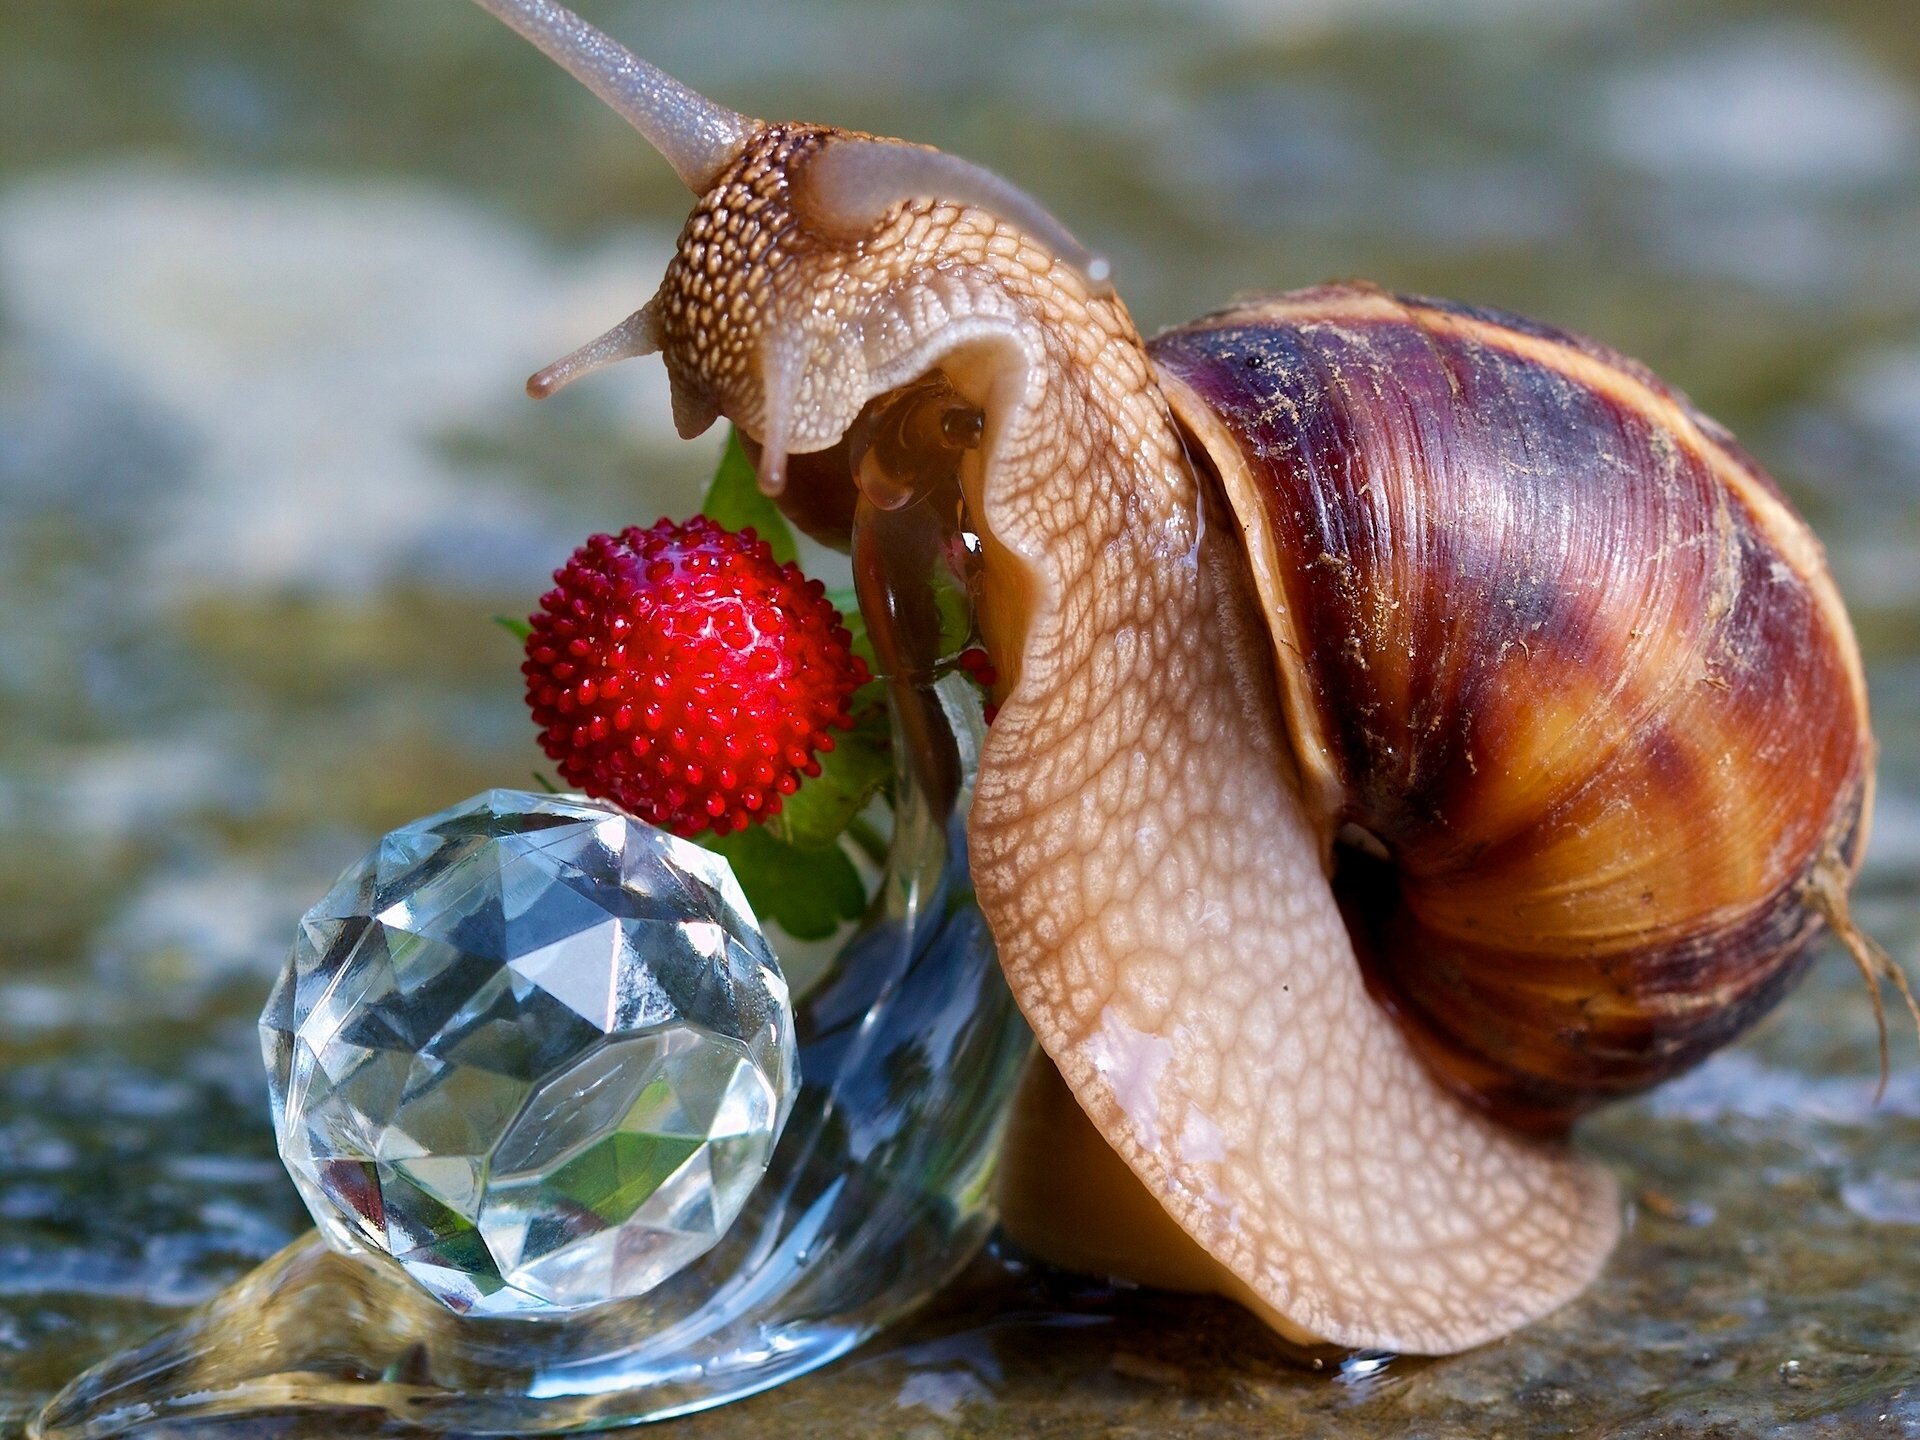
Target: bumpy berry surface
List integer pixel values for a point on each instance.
(684, 675)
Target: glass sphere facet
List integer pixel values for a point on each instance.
(532, 1049)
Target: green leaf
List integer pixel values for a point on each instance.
(956, 610)
(734, 500)
(514, 626)
(852, 773)
(807, 893)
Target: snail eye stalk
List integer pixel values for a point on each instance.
(698, 138)
(629, 340)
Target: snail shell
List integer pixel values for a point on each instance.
(1567, 659)
(1484, 599)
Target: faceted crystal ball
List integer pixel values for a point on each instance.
(534, 1050)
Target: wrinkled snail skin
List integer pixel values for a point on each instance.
(1557, 644)
(1483, 599)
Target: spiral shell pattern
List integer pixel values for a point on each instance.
(1557, 649)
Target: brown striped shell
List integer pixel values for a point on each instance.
(1565, 661)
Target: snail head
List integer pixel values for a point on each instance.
(800, 289)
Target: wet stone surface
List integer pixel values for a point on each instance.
(266, 473)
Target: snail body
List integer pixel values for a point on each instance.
(1484, 601)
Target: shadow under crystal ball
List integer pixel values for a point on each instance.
(534, 1050)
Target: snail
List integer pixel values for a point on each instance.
(1416, 725)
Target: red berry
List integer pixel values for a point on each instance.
(980, 668)
(684, 675)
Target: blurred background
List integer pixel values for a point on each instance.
(271, 274)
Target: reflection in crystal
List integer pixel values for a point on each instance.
(533, 1050)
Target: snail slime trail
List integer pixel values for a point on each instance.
(1484, 594)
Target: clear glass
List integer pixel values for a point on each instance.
(531, 1050)
(878, 1192)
